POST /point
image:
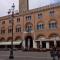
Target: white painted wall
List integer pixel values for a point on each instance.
(23, 44)
(34, 44)
(47, 45)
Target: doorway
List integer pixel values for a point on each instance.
(28, 42)
(38, 44)
(58, 44)
(51, 44)
(44, 44)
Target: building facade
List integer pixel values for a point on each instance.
(36, 28)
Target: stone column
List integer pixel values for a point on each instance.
(34, 44)
(40, 44)
(28, 44)
(23, 44)
(54, 42)
(47, 45)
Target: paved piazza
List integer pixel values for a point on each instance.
(20, 55)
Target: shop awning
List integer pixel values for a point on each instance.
(9, 43)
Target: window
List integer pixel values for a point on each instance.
(18, 19)
(2, 30)
(3, 22)
(53, 25)
(10, 29)
(40, 26)
(18, 29)
(10, 21)
(40, 16)
(28, 17)
(51, 13)
(29, 28)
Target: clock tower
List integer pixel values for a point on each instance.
(23, 6)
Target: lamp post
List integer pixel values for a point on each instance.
(12, 15)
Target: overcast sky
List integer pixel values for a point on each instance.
(5, 5)
(40, 3)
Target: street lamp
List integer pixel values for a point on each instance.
(12, 15)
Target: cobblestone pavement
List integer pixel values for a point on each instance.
(20, 55)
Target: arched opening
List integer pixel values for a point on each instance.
(28, 27)
(40, 26)
(18, 45)
(9, 39)
(2, 40)
(55, 40)
(28, 42)
(52, 24)
(40, 41)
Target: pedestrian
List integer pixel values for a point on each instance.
(53, 53)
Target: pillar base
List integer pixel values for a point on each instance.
(11, 57)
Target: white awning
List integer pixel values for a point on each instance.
(9, 43)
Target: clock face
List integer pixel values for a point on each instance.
(40, 3)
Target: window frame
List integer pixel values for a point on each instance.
(52, 25)
(18, 19)
(40, 15)
(40, 26)
(28, 18)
